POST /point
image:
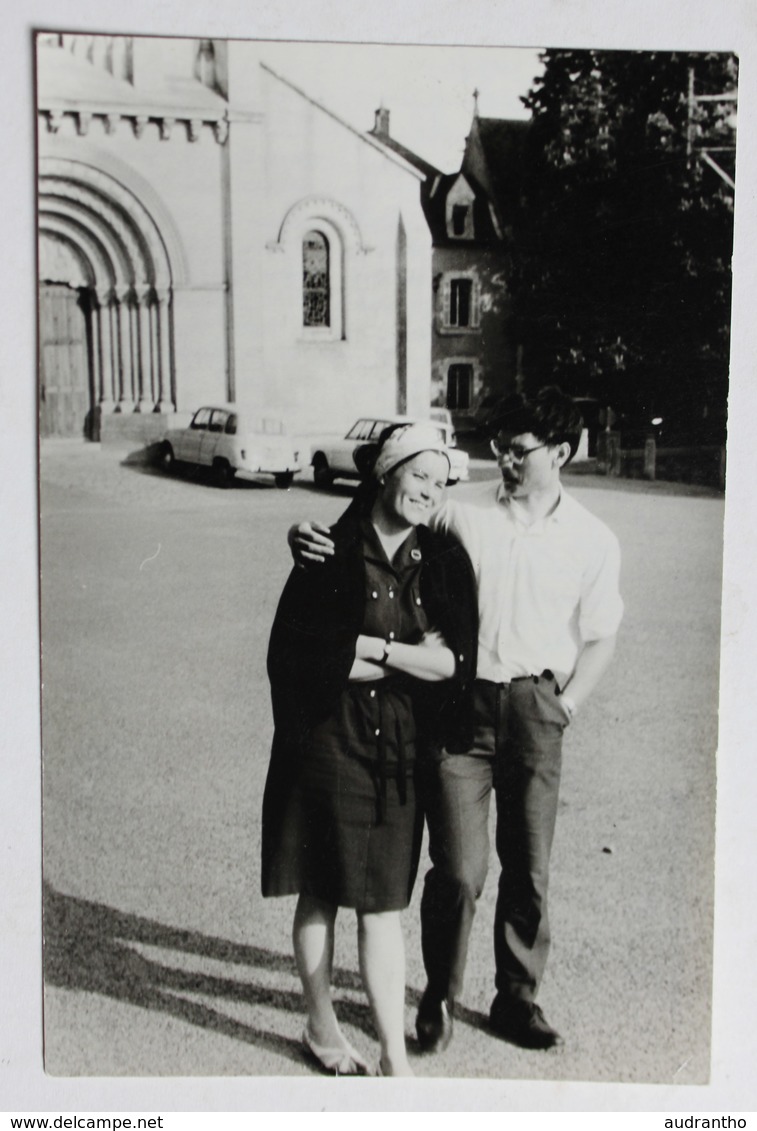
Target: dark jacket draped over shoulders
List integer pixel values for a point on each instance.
(318, 620)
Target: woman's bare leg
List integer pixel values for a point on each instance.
(313, 937)
(381, 950)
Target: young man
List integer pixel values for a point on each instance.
(549, 608)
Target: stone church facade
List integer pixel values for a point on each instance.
(210, 233)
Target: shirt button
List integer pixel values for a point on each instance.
(391, 594)
(417, 600)
(374, 594)
(373, 693)
(391, 636)
(378, 732)
(461, 657)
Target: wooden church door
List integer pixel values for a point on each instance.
(65, 385)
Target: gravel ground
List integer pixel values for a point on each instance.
(157, 597)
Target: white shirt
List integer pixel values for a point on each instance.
(544, 590)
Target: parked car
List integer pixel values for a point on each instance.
(444, 416)
(232, 441)
(333, 459)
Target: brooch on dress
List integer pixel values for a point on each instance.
(415, 555)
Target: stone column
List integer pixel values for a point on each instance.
(97, 375)
(146, 402)
(125, 367)
(105, 341)
(165, 403)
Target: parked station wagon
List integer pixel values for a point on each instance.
(333, 459)
(232, 441)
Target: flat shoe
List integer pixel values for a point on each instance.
(341, 1060)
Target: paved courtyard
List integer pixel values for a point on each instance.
(162, 958)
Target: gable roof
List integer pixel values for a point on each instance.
(396, 157)
(491, 166)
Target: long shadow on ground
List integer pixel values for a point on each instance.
(90, 947)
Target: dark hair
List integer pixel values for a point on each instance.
(550, 415)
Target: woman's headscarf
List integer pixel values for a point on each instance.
(405, 442)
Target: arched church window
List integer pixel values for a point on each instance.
(316, 296)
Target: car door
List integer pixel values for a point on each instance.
(189, 442)
(212, 443)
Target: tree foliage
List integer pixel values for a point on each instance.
(622, 256)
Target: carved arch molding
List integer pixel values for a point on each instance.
(313, 208)
(87, 216)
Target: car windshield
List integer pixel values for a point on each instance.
(360, 430)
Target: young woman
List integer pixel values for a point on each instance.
(370, 657)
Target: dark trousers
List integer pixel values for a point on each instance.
(517, 752)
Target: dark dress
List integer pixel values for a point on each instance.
(340, 817)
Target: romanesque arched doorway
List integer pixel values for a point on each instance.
(67, 396)
(105, 335)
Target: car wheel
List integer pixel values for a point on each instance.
(166, 459)
(222, 473)
(322, 473)
(284, 479)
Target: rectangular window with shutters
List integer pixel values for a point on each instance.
(460, 302)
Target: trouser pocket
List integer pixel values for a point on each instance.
(535, 705)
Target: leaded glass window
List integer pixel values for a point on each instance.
(315, 280)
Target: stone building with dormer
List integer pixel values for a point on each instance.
(209, 232)
(471, 215)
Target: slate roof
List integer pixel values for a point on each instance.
(434, 200)
(491, 166)
(423, 166)
(501, 142)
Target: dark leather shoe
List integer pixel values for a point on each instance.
(523, 1023)
(434, 1023)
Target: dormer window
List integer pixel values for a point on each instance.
(460, 213)
(459, 210)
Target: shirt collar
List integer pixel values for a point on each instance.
(408, 555)
(517, 513)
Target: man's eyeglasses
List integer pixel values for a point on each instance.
(515, 452)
